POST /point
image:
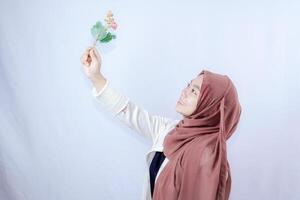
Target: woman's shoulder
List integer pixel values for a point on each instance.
(171, 123)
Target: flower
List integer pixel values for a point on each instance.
(114, 25)
(109, 13)
(110, 20)
(101, 33)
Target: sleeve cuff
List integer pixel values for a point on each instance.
(94, 90)
(110, 98)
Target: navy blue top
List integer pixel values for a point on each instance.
(156, 162)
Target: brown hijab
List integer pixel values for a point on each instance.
(196, 148)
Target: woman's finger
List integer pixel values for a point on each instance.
(97, 53)
(93, 55)
(88, 49)
(84, 58)
(86, 53)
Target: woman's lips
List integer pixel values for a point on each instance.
(180, 102)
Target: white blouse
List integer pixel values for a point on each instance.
(154, 127)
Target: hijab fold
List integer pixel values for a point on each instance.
(198, 168)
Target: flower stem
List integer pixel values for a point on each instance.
(94, 43)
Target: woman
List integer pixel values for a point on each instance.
(188, 158)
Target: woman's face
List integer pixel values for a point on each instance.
(188, 100)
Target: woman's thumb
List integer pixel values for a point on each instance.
(93, 55)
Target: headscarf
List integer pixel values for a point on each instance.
(198, 168)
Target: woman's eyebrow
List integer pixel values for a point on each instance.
(196, 86)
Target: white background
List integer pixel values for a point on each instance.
(56, 144)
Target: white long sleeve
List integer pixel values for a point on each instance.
(131, 114)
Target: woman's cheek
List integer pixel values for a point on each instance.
(192, 101)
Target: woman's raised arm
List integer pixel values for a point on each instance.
(116, 103)
(134, 116)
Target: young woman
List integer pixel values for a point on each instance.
(188, 158)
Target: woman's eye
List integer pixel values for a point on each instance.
(194, 91)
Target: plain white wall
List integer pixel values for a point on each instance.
(56, 144)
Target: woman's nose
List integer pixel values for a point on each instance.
(184, 93)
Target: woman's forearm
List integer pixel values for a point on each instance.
(98, 82)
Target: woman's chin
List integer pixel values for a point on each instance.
(178, 108)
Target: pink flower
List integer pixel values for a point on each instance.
(114, 25)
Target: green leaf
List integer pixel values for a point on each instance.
(102, 35)
(108, 37)
(98, 30)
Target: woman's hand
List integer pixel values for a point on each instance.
(91, 61)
